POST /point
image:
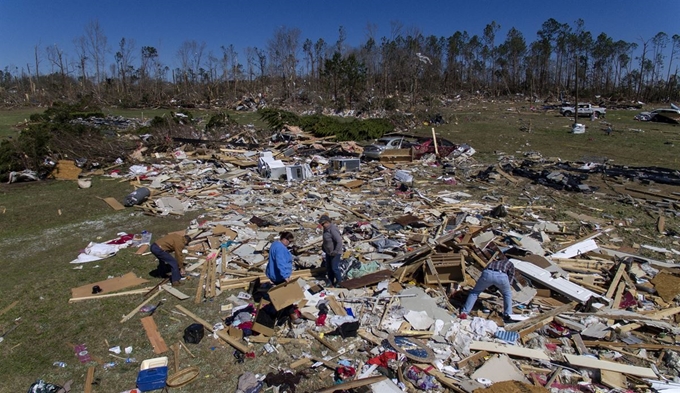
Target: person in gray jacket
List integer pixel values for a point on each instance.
(332, 247)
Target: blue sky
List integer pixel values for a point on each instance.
(167, 24)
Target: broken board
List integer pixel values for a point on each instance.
(154, 336)
(111, 285)
(114, 203)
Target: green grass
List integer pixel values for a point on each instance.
(10, 119)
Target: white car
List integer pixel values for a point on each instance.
(373, 151)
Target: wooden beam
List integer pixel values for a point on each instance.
(132, 292)
(585, 361)
(615, 281)
(133, 312)
(357, 383)
(89, 379)
(323, 341)
(220, 333)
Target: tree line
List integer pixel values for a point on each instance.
(407, 66)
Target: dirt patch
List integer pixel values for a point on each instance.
(512, 387)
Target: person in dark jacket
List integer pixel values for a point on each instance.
(161, 249)
(332, 248)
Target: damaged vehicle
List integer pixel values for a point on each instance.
(375, 150)
(662, 115)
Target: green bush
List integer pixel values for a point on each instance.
(323, 126)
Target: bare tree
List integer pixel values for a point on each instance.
(124, 58)
(96, 45)
(283, 48)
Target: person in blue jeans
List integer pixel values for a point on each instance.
(332, 247)
(500, 273)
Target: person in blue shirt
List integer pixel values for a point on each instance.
(280, 266)
(280, 269)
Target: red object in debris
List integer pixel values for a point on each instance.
(321, 320)
(343, 372)
(551, 347)
(250, 355)
(382, 359)
(122, 240)
(627, 300)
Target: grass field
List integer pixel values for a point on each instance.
(44, 225)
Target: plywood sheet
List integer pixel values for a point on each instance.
(585, 361)
(111, 285)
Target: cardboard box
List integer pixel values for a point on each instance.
(264, 323)
(283, 295)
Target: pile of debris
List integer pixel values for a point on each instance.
(587, 314)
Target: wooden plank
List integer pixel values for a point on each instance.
(175, 292)
(126, 293)
(540, 317)
(220, 333)
(357, 383)
(110, 285)
(336, 307)
(113, 202)
(89, 379)
(615, 281)
(323, 341)
(133, 312)
(475, 357)
(580, 346)
(508, 350)
(443, 379)
(585, 361)
(655, 315)
(613, 379)
(11, 306)
(201, 281)
(300, 362)
(175, 356)
(153, 335)
(553, 377)
(367, 280)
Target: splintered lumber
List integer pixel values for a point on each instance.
(357, 383)
(220, 333)
(536, 319)
(133, 312)
(585, 361)
(154, 336)
(508, 350)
